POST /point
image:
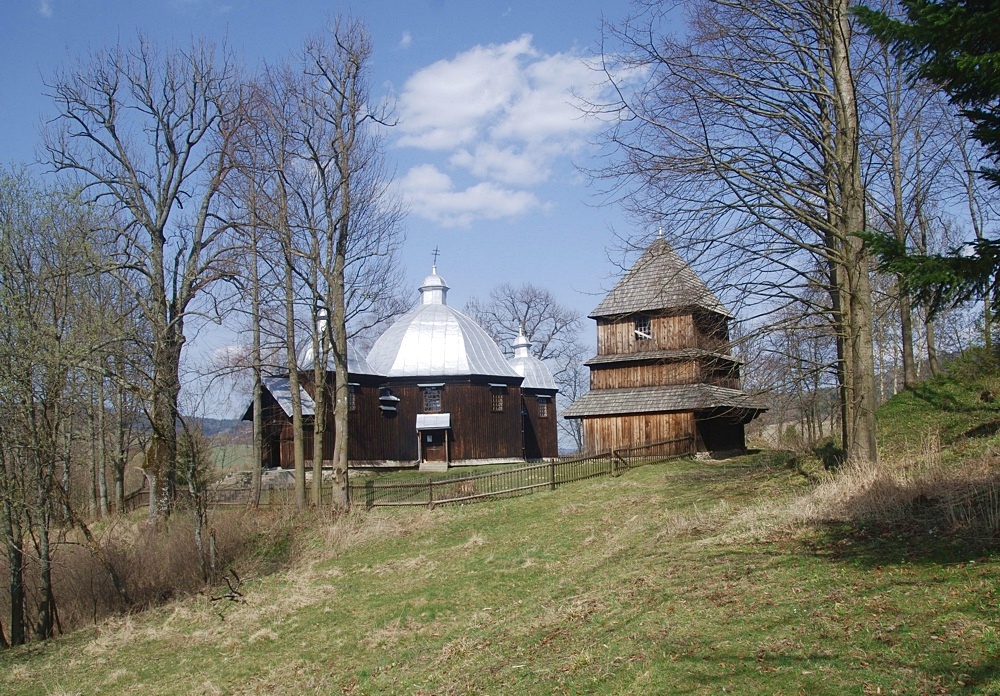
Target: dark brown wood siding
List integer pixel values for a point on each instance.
(377, 435)
(541, 434)
(478, 432)
(380, 435)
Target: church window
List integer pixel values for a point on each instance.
(543, 407)
(432, 399)
(643, 328)
(496, 397)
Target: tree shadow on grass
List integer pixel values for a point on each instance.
(988, 429)
(951, 528)
(949, 520)
(937, 396)
(879, 543)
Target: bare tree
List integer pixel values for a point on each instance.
(554, 332)
(356, 220)
(147, 132)
(321, 187)
(552, 328)
(980, 201)
(48, 335)
(741, 138)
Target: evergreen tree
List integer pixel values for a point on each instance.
(955, 45)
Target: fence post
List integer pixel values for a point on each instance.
(369, 494)
(211, 552)
(552, 475)
(430, 493)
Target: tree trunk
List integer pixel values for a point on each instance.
(14, 541)
(102, 450)
(94, 456)
(899, 222)
(341, 499)
(258, 401)
(293, 385)
(163, 416)
(122, 437)
(861, 443)
(45, 624)
(320, 398)
(932, 358)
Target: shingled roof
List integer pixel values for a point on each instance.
(659, 280)
(681, 397)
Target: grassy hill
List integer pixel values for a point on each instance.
(763, 574)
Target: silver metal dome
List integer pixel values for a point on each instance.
(356, 364)
(436, 340)
(535, 372)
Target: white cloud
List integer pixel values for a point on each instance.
(406, 40)
(45, 8)
(508, 165)
(505, 114)
(431, 194)
(450, 102)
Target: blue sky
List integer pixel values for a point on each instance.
(488, 144)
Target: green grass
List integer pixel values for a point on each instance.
(681, 578)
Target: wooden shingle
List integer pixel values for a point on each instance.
(659, 280)
(661, 399)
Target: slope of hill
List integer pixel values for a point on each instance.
(763, 574)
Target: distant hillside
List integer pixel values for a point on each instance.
(217, 426)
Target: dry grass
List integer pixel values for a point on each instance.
(942, 494)
(951, 497)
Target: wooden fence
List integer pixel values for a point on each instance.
(459, 487)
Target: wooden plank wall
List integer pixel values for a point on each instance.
(648, 375)
(711, 331)
(615, 432)
(669, 333)
(477, 432)
(541, 435)
(702, 329)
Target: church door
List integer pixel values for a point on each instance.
(434, 445)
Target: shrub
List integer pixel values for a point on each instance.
(155, 564)
(974, 365)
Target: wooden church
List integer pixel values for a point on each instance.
(663, 369)
(435, 390)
